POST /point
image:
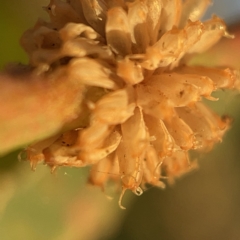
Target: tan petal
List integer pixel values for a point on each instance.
(137, 15)
(204, 84)
(192, 34)
(153, 19)
(154, 59)
(130, 71)
(60, 157)
(118, 31)
(151, 166)
(166, 50)
(114, 108)
(131, 151)
(170, 15)
(214, 30)
(130, 169)
(135, 134)
(33, 157)
(95, 13)
(93, 136)
(193, 10)
(177, 165)
(42, 44)
(34, 152)
(181, 132)
(179, 93)
(221, 123)
(83, 47)
(153, 102)
(74, 30)
(104, 170)
(207, 126)
(43, 58)
(100, 172)
(92, 156)
(91, 72)
(77, 6)
(81, 40)
(60, 154)
(173, 45)
(222, 78)
(163, 142)
(171, 42)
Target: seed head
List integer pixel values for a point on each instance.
(142, 103)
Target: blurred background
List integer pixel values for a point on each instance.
(203, 205)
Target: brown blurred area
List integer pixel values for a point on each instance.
(203, 205)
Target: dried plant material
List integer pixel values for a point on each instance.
(193, 10)
(142, 102)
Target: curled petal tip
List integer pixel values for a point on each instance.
(138, 191)
(121, 197)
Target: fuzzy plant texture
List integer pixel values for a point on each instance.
(139, 102)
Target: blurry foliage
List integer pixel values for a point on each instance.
(203, 205)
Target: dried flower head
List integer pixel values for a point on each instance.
(141, 110)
